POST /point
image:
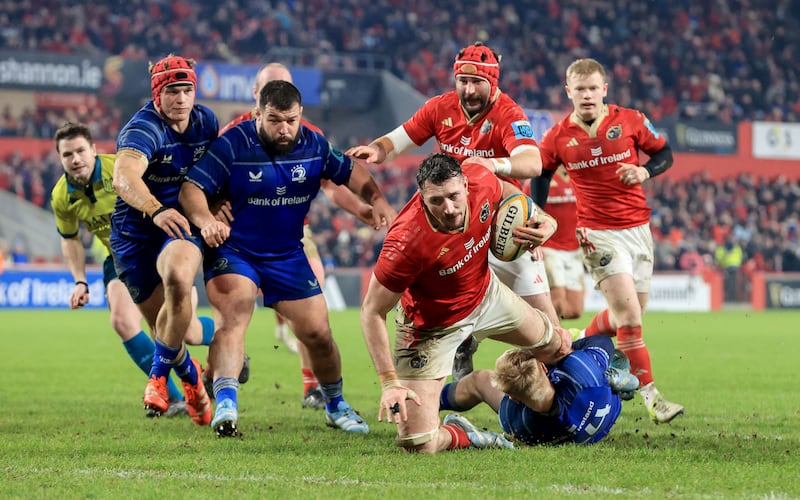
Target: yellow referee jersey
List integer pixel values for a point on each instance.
(91, 205)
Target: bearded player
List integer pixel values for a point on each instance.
(477, 123)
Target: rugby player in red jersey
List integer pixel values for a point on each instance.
(599, 145)
(435, 262)
(477, 123)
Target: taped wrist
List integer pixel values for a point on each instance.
(502, 166)
(389, 379)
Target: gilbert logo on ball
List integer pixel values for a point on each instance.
(513, 212)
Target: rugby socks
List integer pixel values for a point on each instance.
(226, 388)
(140, 348)
(309, 380)
(447, 398)
(458, 437)
(333, 395)
(184, 367)
(208, 329)
(600, 325)
(630, 341)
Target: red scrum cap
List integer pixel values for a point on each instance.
(478, 61)
(171, 70)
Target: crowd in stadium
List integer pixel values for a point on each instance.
(727, 60)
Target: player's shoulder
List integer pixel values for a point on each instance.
(622, 113)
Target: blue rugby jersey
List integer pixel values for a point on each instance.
(170, 156)
(269, 194)
(587, 409)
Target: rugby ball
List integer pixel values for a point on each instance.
(513, 212)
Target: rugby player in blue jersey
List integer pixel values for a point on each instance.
(571, 401)
(154, 250)
(270, 170)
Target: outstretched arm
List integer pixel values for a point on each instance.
(195, 205)
(348, 201)
(378, 301)
(362, 184)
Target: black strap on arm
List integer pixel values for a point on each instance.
(540, 187)
(660, 161)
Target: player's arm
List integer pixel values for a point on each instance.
(658, 163)
(384, 147)
(540, 187)
(195, 205)
(377, 303)
(129, 167)
(348, 201)
(523, 163)
(75, 258)
(364, 185)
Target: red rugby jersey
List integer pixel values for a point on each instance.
(591, 155)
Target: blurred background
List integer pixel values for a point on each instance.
(718, 78)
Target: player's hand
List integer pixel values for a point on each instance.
(79, 297)
(215, 233)
(393, 403)
(370, 154)
(221, 210)
(631, 174)
(536, 231)
(382, 214)
(173, 223)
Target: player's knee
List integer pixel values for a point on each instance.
(421, 442)
(125, 326)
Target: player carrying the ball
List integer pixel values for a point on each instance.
(435, 261)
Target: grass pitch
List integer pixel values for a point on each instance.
(72, 424)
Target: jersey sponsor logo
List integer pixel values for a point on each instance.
(465, 140)
(614, 132)
(255, 176)
(596, 151)
(280, 201)
(299, 173)
(108, 185)
(447, 122)
(522, 129)
(473, 250)
(572, 142)
(485, 211)
(486, 127)
(167, 159)
(469, 244)
(463, 151)
(280, 190)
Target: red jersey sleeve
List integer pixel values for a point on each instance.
(422, 125)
